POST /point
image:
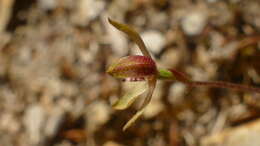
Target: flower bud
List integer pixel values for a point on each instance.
(133, 67)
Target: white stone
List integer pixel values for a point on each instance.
(194, 22)
(34, 122)
(170, 58)
(153, 109)
(177, 92)
(88, 10)
(117, 39)
(97, 114)
(48, 4)
(9, 123)
(154, 40)
(245, 135)
(53, 121)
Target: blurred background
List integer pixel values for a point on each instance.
(54, 90)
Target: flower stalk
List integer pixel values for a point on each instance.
(172, 74)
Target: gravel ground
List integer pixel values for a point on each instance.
(54, 90)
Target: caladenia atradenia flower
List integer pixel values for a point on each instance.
(143, 68)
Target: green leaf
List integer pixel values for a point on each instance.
(131, 95)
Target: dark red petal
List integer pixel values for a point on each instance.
(133, 67)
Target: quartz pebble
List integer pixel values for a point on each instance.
(97, 114)
(34, 122)
(88, 10)
(117, 39)
(154, 40)
(194, 22)
(245, 135)
(48, 4)
(177, 93)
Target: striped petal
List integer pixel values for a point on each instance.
(130, 96)
(151, 83)
(133, 67)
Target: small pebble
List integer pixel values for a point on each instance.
(154, 41)
(97, 114)
(194, 22)
(34, 122)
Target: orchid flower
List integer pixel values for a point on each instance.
(143, 68)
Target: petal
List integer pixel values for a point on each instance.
(134, 66)
(132, 34)
(133, 119)
(131, 96)
(151, 83)
(151, 86)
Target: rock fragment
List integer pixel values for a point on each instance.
(5, 13)
(154, 40)
(87, 10)
(34, 122)
(245, 135)
(194, 22)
